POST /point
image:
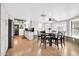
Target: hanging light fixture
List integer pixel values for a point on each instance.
(43, 15)
(50, 19)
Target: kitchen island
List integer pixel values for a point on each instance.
(29, 34)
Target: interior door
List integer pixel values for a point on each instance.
(9, 33)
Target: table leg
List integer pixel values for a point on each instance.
(50, 42)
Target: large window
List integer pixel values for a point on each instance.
(60, 26)
(40, 27)
(75, 28)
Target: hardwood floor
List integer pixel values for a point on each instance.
(24, 47)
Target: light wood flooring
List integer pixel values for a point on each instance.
(24, 47)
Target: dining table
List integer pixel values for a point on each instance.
(55, 38)
(50, 37)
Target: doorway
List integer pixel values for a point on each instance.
(16, 29)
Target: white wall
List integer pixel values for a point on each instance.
(4, 30)
(0, 29)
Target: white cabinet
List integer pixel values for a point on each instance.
(29, 35)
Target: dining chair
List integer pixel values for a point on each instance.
(61, 38)
(43, 38)
(38, 35)
(54, 38)
(48, 37)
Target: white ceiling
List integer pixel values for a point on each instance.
(33, 11)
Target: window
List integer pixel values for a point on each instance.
(75, 28)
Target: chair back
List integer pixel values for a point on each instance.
(61, 35)
(43, 34)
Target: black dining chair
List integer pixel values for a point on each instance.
(49, 39)
(38, 35)
(61, 38)
(43, 38)
(54, 38)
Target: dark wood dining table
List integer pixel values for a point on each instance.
(50, 37)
